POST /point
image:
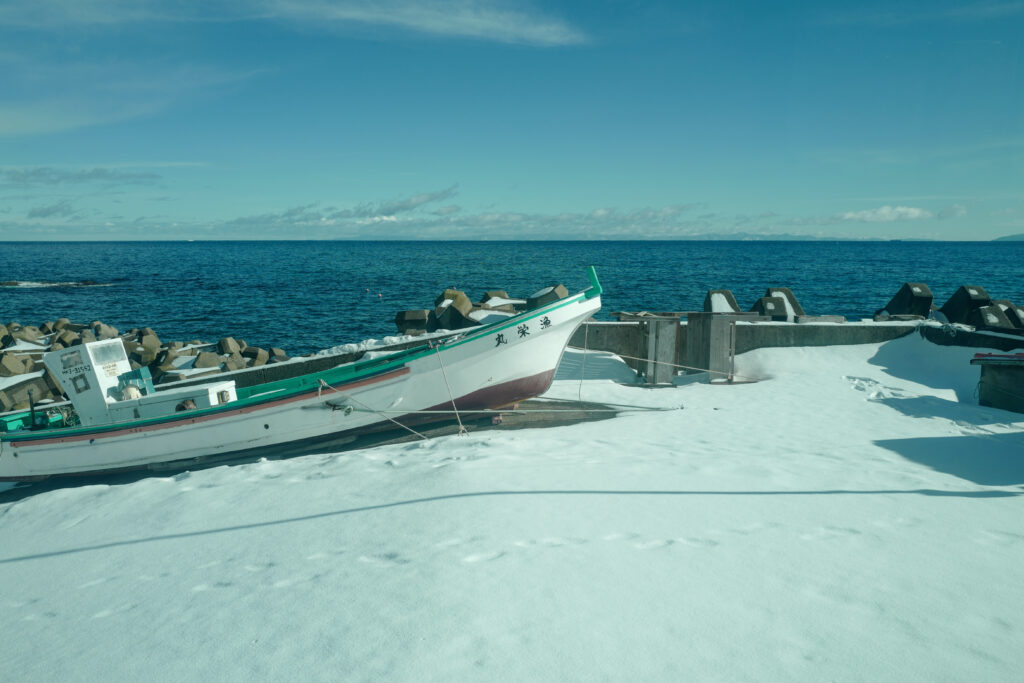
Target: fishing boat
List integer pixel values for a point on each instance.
(119, 421)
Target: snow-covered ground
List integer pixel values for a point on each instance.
(853, 516)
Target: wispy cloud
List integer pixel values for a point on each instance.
(501, 21)
(62, 209)
(48, 176)
(402, 205)
(887, 214)
(80, 93)
(425, 215)
(410, 219)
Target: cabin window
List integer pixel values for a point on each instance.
(81, 383)
(70, 360)
(107, 353)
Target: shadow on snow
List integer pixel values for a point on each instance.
(986, 459)
(485, 494)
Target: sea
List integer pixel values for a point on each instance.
(305, 296)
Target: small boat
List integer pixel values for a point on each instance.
(119, 421)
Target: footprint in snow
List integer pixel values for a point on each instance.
(699, 542)
(829, 532)
(483, 557)
(550, 542)
(1000, 538)
(384, 559)
(875, 389)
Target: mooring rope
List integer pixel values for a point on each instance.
(325, 385)
(455, 408)
(686, 367)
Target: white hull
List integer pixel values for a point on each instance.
(481, 368)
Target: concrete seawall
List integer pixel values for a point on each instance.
(625, 338)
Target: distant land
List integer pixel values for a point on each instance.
(1011, 238)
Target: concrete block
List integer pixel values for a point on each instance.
(166, 356)
(413, 319)
(228, 345)
(208, 359)
(162, 370)
(452, 313)
(61, 324)
(1014, 313)
(913, 298)
(102, 330)
(990, 318)
(773, 307)
(546, 296)
(16, 397)
(256, 355)
(964, 300)
(148, 348)
(11, 364)
(793, 307)
(235, 361)
(28, 333)
(457, 298)
(67, 338)
(720, 301)
(494, 294)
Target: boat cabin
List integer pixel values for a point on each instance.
(104, 389)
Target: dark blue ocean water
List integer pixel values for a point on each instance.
(305, 296)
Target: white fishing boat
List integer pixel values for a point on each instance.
(119, 421)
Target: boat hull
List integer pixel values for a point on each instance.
(482, 368)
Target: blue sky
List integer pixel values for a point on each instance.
(480, 119)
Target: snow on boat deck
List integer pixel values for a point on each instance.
(852, 516)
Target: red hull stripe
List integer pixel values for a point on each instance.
(170, 424)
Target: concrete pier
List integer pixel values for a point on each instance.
(694, 337)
